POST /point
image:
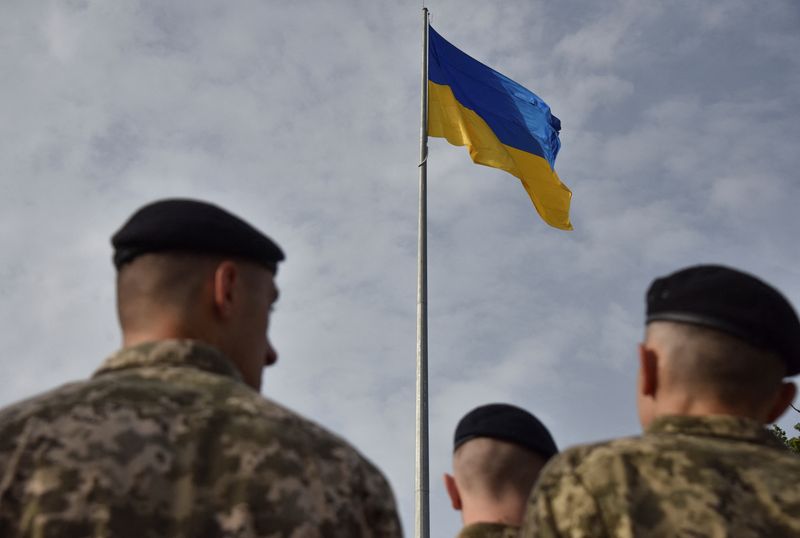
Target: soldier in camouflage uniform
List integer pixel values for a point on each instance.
(170, 437)
(717, 347)
(498, 451)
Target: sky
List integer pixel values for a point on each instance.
(680, 130)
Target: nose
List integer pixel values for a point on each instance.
(271, 356)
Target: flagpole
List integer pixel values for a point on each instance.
(421, 481)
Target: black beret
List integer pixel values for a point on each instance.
(730, 301)
(192, 226)
(506, 423)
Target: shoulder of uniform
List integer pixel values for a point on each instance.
(578, 459)
(601, 450)
(317, 445)
(54, 399)
(44, 409)
(256, 409)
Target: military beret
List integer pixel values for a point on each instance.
(506, 423)
(192, 226)
(730, 301)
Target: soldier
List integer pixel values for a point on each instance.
(171, 437)
(498, 452)
(717, 347)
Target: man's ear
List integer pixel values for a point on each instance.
(648, 371)
(785, 397)
(452, 491)
(225, 277)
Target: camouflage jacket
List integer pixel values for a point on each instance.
(488, 530)
(686, 476)
(165, 440)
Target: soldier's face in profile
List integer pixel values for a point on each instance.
(259, 294)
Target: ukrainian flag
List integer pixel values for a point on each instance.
(502, 124)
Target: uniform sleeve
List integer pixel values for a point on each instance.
(560, 506)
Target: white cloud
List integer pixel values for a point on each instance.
(606, 40)
(746, 194)
(61, 36)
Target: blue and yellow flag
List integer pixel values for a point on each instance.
(503, 124)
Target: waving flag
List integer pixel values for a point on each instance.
(502, 124)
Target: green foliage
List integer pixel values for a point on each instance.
(792, 443)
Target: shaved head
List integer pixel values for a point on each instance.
(495, 470)
(157, 285)
(713, 365)
(222, 302)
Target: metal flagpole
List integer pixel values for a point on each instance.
(421, 517)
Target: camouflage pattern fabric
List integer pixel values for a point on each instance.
(686, 476)
(165, 440)
(488, 530)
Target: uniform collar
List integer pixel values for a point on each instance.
(170, 353)
(488, 530)
(729, 427)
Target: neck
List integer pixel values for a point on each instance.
(694, 405)
(503, 513)
(163, 329)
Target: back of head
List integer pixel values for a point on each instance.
(730, 301)
(495, 471)
(725, 340)
(165, 255)
(723, 370)
(499, 450)
(187, 269)
(163, 285)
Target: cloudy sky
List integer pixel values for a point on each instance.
(681, 124)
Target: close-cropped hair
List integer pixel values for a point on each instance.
(494, 469)
(171, 280)
(716, 364)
